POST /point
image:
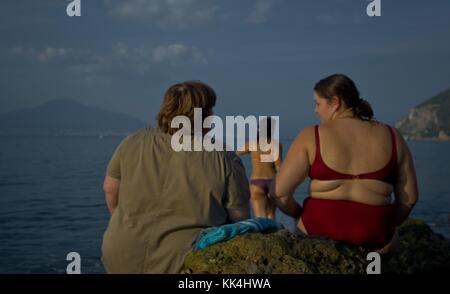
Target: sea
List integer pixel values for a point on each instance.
(52, 203)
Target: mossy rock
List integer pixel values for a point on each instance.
(281, 252)
(420, 251)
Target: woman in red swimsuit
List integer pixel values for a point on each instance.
(355, 164)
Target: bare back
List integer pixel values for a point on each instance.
(260, 169)
(353, 146)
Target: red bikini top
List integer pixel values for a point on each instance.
(320, 171)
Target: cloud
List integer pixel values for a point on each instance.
(50, 54)
(339, 18)
(260, 12)
(45, 55)
(123, 59)
(329, 18)
(120, 62)
(21, 51)
(171, 54)
(180, 14)
(121, 49)
(175, 52)
(120, 53)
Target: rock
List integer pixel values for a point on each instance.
(428, 121)
(420, 250)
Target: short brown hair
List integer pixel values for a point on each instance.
(181, 99)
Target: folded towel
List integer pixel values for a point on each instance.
(215, 235)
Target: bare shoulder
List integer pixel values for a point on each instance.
(304, 142)
(306, 136)
(402, 146)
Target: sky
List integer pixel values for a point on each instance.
(262, 57)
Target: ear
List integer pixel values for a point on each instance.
(336, 102)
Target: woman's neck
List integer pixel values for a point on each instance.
(346, 113)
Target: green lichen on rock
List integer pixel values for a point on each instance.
(281, 252)
(420, 251)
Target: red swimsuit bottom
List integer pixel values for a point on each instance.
(366, 225)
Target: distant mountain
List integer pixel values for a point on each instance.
(429, 120)
(67, 117)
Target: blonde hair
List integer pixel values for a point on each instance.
(181, 99)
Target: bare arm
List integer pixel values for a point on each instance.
(111, 189)
(292, 173)
(280, 158)
(237, 195)
(238, 214)
(405, 190)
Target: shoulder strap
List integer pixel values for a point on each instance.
(316, 131)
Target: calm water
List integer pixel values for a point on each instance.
(51, 199)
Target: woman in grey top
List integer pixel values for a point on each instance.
(160, 199)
